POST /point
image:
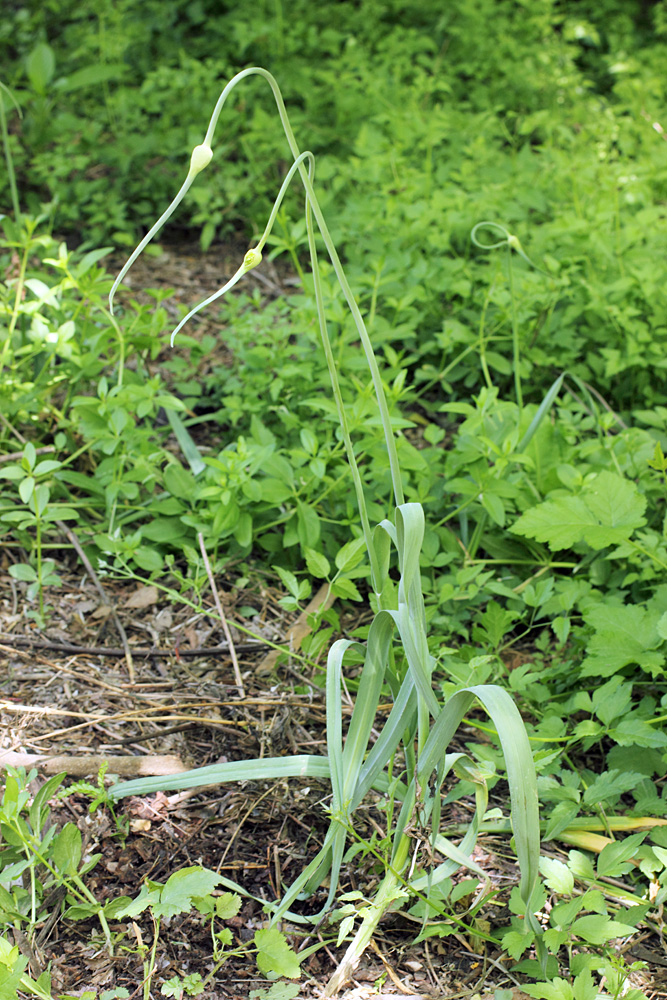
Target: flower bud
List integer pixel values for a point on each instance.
(201, 157)
(252, 259)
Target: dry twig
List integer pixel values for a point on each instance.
(225, 626)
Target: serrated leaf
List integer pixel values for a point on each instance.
(274, 955)
(557, 989)
(606, 512)
(180, 889)
(609, 785)
(560, 819)
(624, 634)
(133, 907)
(227, 905)
(639, 732)
(563, 914)
(614, 858)
(584, 988)
(597, 929)
(581, 865)
(557, 876)
(515, 944)
(345, 588)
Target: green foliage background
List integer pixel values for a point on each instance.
(547, 507)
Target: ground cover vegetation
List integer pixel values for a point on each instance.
(495, 180)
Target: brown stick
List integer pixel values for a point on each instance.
(225, 626)
(19, 641)
(47, 449)
(91, 763)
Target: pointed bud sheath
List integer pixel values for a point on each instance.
(514, 242)
(201, 157)
(252, 259)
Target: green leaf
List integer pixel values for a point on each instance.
(494, 507)
(350, 555)
(133, 907)
(30, 455)
(515, 944)
(614, 858)
(345, 588)
(317, 563)
(12, 472)
(557, 876)
(560, 819)
(581, 865)
(496, 621)
(43, 468)
(41, 496)
(192, 984)
(115, 906)
(227, 905)
(308, 526)
(278, 991)
(188, 446)
(40, 65)
(597, 929)
(66, 849)
(274, 955)
(661, 627)
(289, 580)
(148, 558)
(26, 487)
(177, 895)
(624, 634)
(609, 785)
(81, 911)
(634, 757)
(92, 76)
(24, 572)
(179, 482)
(584, 988)
(557, 989)
(606, 512)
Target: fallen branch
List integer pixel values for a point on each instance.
(18, 642)
(91, 763)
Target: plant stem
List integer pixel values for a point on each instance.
(516, 351)
(8, 159)
(335, 260)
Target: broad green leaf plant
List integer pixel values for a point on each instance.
(419, 728)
